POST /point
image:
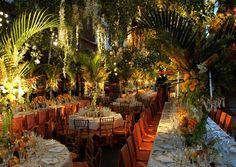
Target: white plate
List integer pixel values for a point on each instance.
(50, 161)
(232, 149)
(164, 159)
(56, 149)
(166, 146)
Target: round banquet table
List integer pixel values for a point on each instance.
(95, 121)
(49, 153)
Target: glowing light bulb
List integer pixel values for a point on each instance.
(55, 43)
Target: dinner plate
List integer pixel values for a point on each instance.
(167, 146)
(232, 149)
(56, 149)
(164, 159)
(50, 161)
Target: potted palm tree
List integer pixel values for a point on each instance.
(14, 69)
(94, 73)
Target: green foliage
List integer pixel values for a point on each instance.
(7, 116)
(14, 68)
(93, 68)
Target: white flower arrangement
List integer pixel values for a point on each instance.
(202, 68)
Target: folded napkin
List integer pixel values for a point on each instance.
(56, 149)
(50, 142)
(50, 161)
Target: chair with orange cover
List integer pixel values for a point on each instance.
(228, 124)
(142, 148)
(124, 158)
(30, 121)
(146, 136)
(212, 114)
(125, 130)
(18, 124)
(222, 119)
(135, 163)
(217, 118)
(41, 127)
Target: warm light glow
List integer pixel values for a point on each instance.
(6, 15)
(1, 13)
(55, 43)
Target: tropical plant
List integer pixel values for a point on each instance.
(192, 47)
(189, 46)
(94, 73)
(136, 76)
(14, 68)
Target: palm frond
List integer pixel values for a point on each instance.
(218, 40)
(3, 71)
(180, 28)
(27, 25)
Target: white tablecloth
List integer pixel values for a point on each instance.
(169, 149)
(49, 150)
(95, 121)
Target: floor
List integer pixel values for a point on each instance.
(110, 156)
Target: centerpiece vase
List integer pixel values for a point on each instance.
(7, 117)
(94, 101)
(198, 128)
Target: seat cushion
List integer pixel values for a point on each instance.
(120, 130)
(140, 164)
(146, 146)
(148, 138)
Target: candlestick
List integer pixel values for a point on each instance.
(178, 85)
(210, 84)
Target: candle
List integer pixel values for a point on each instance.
(178, 85)
(210, 84)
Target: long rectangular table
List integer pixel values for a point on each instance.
(169, 148)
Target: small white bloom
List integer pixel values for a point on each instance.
(3, 89)
(202, 68)
(37, 61)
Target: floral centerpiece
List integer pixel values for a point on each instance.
(98, 112)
